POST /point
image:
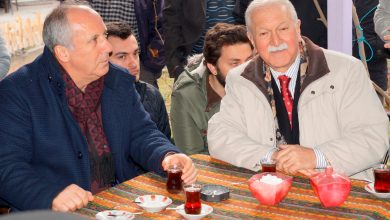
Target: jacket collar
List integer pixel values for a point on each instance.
(317, 68)
(200, 75)
(54, 74)
(317, 65)
(53, 68)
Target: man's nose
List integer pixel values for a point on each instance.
(275, 40)
(132, 61)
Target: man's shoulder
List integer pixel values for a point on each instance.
(23, 76)
(337, 59)
(118, 77)
(189, 90)
(188, 82)
(149, 90)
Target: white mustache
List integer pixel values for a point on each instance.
(283, 46)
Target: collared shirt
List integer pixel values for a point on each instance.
(292, 72)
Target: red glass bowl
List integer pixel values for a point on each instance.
(269, 194)
(331, 188)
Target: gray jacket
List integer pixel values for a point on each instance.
(5, 58)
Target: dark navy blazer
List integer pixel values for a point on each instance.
(42, 149)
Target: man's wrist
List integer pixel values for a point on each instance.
(169, 154)
(321, 161)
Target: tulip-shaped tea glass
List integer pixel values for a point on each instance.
(174, 181)
(382, 178)
(193, 205)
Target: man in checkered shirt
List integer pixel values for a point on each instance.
(144, 17)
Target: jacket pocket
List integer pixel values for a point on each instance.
(317, 91)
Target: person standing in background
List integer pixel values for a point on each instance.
(373, 46)
(185, 23)
(382, 28)
(144, 18)
(382, 21)
(5, 58)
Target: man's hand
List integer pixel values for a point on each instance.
(71, 198)
(189, 170)
(387, 39)
(291, 158)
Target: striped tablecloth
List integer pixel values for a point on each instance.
(300, 203)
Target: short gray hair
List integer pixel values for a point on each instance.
(56, 28)
(257, 4)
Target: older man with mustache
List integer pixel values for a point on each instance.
(303, 106)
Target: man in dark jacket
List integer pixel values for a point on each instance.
(144, 18)
(125, 53)
(71, 123)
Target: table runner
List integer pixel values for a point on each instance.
(300, 203)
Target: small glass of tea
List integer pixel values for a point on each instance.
(382, 178)
(174, 181)
(268, 165)
(193, 205)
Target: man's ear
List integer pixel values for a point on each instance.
(212, 69)
(62, 53)
(250, 38)
(298, 27)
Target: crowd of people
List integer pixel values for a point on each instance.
(249, 85)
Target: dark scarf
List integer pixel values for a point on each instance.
(86, 109)
(304, 62)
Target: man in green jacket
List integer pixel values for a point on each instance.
(198, 91)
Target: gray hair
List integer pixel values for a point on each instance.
(257, 4)
(56, 28)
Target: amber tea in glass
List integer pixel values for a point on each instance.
(193, 205)
(268, 165)
(382, 178)
(174, 181)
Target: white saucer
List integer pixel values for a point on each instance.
(153, 203)
(114, 215)
(206, 209)
(370, 188)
